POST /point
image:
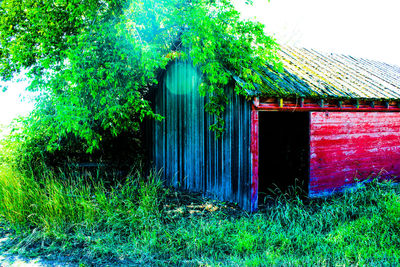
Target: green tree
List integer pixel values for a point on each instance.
(93, 61)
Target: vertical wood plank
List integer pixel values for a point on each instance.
(254, 158)
(192, 156)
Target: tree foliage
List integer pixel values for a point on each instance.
(93, 61)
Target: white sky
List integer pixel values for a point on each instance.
(14, 102)
(362, 28)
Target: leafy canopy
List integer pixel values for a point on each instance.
(93, 61)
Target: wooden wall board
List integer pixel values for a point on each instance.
(347, 146)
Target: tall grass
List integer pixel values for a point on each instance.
(139, 221)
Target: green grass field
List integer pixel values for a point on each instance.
(139, 221)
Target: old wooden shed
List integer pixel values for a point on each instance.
(327, 120)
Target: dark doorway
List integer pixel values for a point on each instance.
(283, 151)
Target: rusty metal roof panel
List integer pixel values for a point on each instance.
(309, 73)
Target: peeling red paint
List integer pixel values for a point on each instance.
(318, 108)
(279, 104)
(254, 158)
(346, 146)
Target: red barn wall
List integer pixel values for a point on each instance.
(345, 146)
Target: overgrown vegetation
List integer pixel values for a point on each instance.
(92, 63)
(87, 219)
(139, 221)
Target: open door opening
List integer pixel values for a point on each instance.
(283, 151)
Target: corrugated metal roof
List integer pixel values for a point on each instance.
(309, 73)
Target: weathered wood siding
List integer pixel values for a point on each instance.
(190, 155)
(345, 146)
